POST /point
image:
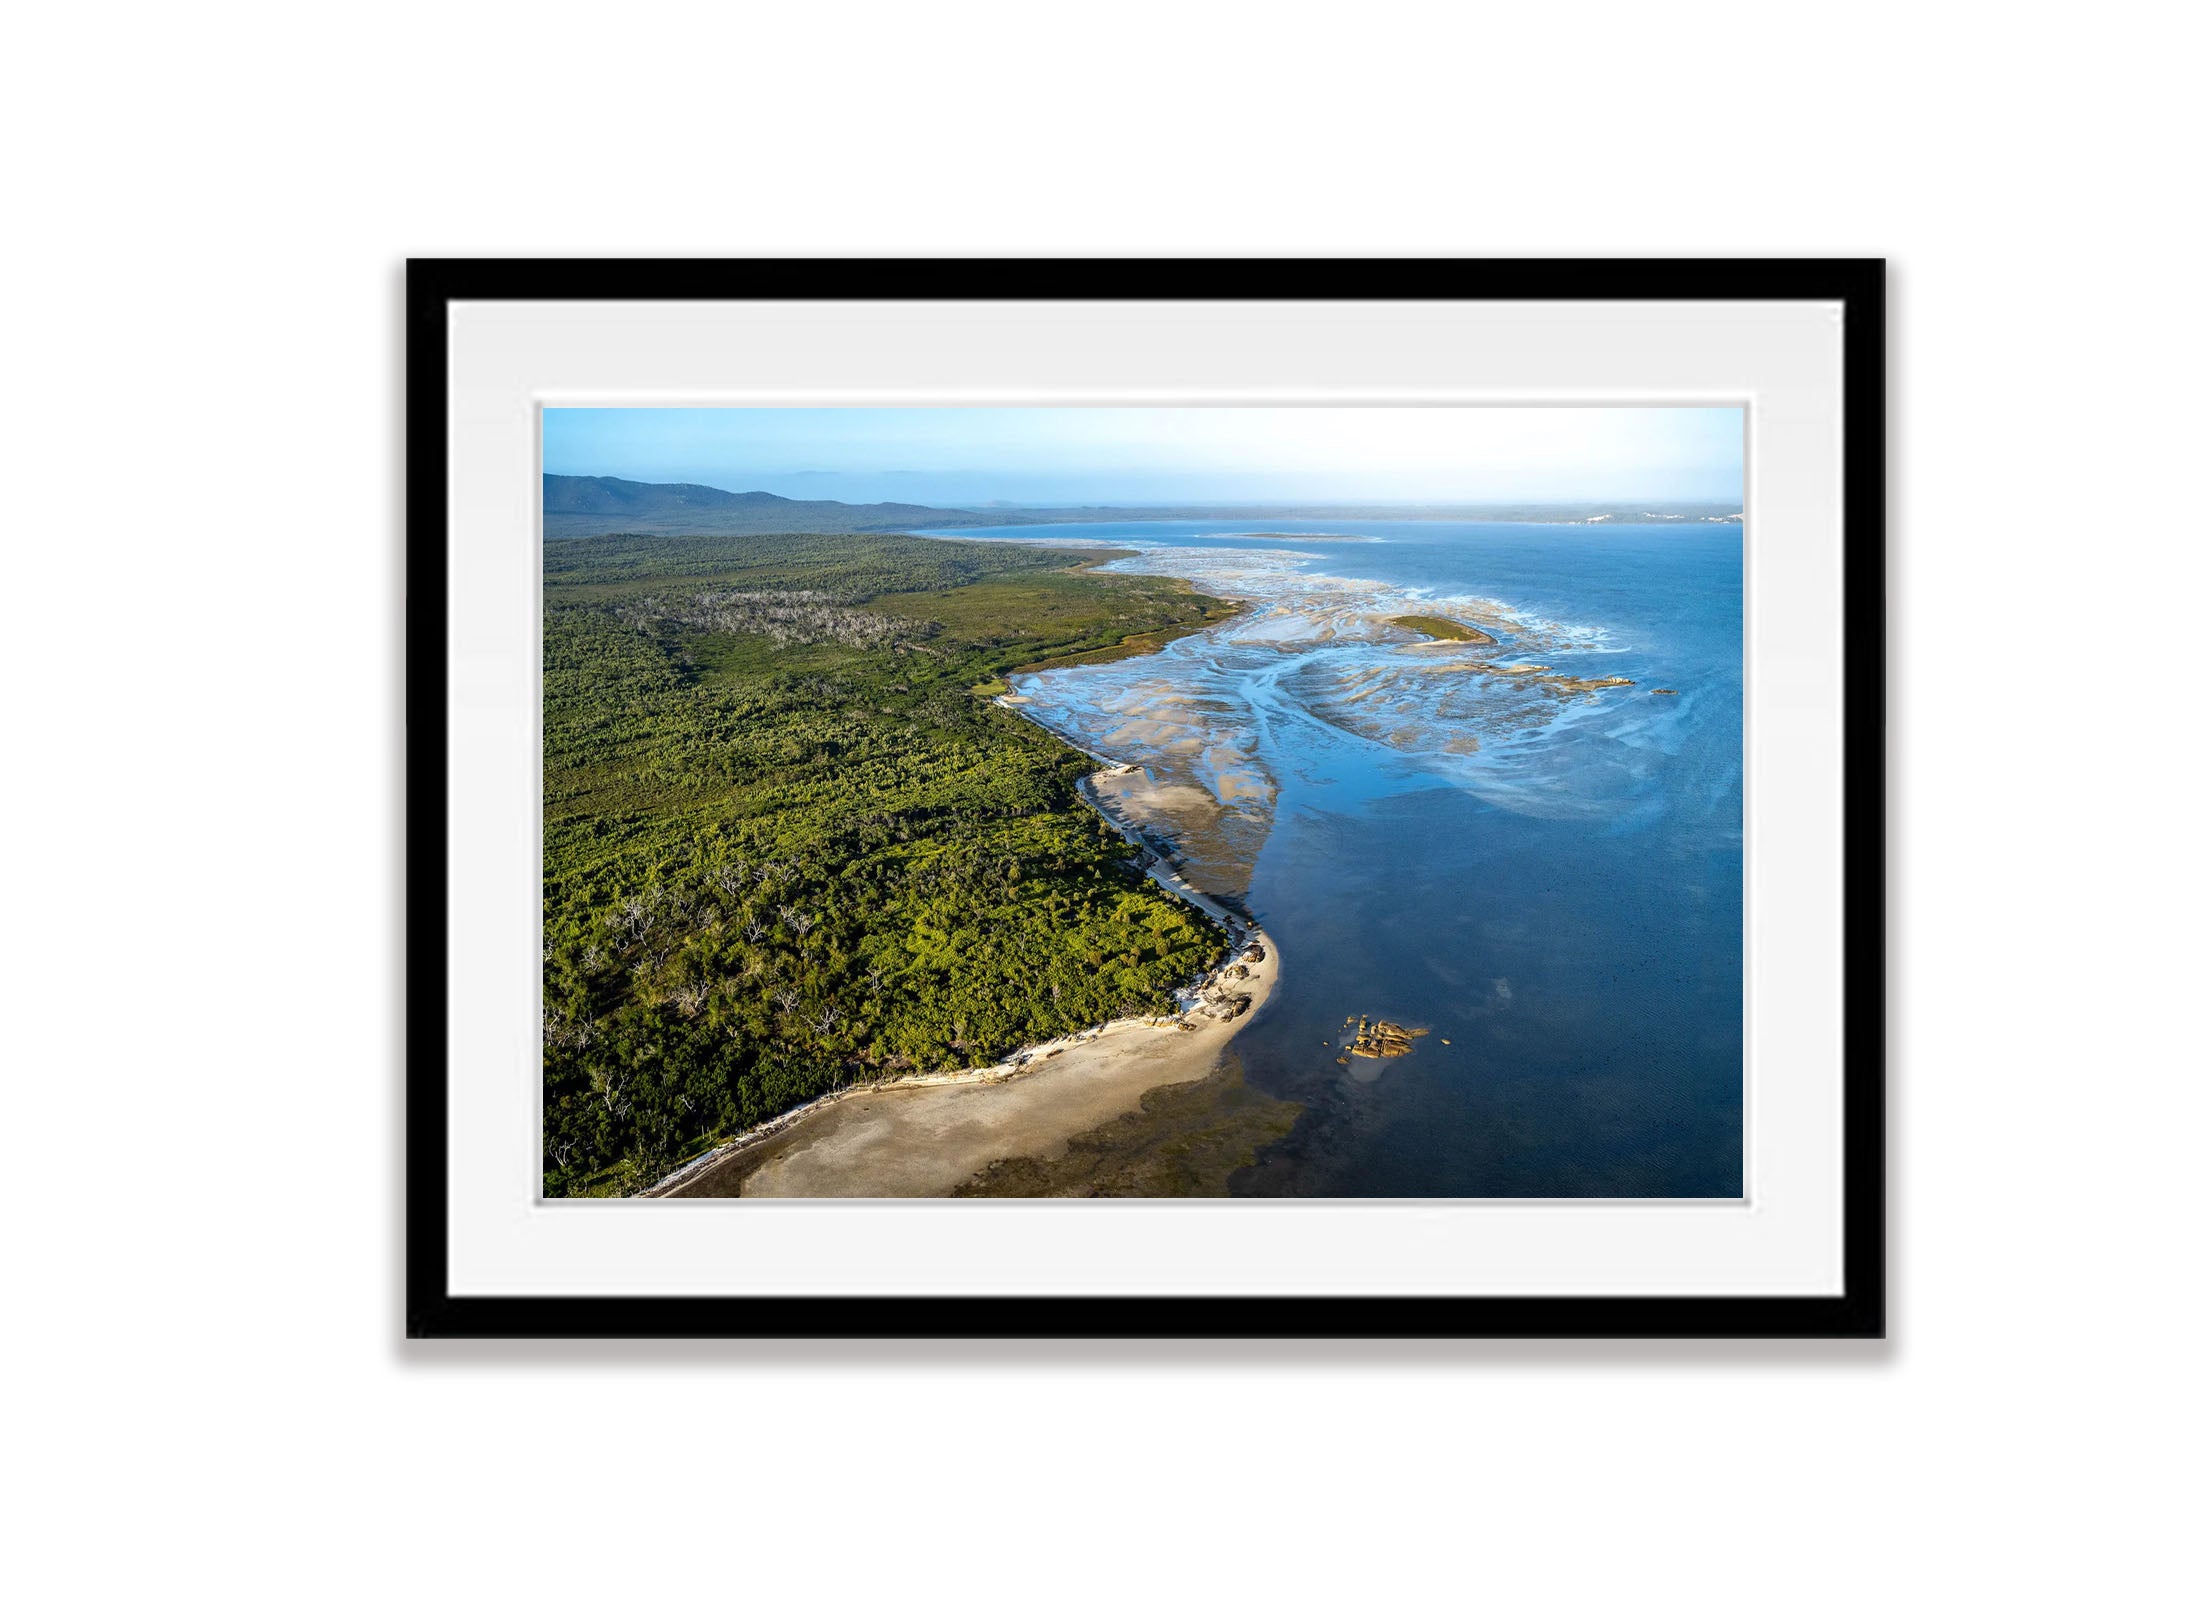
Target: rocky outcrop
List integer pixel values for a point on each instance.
(1374, 1038)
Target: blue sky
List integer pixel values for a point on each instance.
(1148, 455)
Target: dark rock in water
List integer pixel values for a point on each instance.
(1377, 1039)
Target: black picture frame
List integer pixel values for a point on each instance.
(1859, 1311)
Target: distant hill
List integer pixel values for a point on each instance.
(621, 497)
(576, 508)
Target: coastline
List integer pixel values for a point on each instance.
(925, 1134)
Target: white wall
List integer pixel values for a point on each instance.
(209, 205)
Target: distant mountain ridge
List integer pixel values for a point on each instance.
(624, 497)
(576, 508)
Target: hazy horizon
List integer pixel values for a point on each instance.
(1042, 457)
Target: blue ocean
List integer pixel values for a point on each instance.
(1526, 840)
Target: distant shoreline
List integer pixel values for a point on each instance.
(583, 507)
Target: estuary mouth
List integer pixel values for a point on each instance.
(1322, 672)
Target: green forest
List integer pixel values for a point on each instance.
(788, 843)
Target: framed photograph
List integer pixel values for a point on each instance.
(1145, 798)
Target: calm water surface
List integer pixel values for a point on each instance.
(1546, 873)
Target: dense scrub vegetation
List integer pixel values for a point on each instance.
(787, 846)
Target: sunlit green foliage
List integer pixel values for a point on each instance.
(786, 846)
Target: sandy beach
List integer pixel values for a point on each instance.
(926, 1136)
(931, 1134)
